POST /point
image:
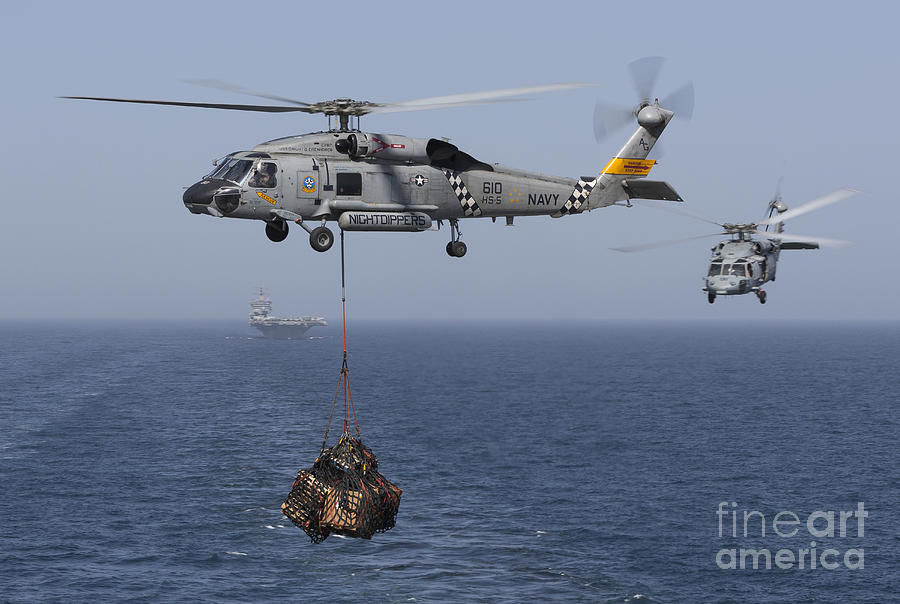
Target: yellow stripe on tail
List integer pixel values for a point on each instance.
(629, 167)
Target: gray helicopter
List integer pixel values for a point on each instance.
(368, 181)
(744, 263)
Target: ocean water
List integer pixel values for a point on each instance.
(539, 461)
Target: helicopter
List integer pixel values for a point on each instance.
(744, 263)
(368, 181)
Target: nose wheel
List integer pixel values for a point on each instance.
(710, 297)
(455, 247)
(762, 296)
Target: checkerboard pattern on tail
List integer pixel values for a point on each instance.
(578, 196)
(343, 493)
(468, 203)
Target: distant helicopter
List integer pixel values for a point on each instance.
(747, 261)
(387, 182)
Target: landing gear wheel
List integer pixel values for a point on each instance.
(455, 247)
(711, 298)
(276, 231)
(321, 239)
(762, 296)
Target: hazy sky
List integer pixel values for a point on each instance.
(93, 223)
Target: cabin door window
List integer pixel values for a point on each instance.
(349, 184)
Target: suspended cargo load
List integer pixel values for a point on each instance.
(343, 493)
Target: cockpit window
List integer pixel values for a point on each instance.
(222, 168)
(715, 268)
(264, 176)
(738, 270)
(232, 169)
(238, 170)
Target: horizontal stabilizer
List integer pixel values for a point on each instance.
(650, 189)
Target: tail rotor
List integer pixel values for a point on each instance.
(609, 118)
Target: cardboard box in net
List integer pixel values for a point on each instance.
(306, 499)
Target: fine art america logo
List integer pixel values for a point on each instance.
(823, 528)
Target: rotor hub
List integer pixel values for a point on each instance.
(739, 227)
(650, 116)
(344, 107)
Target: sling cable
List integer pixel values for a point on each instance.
(343, 492)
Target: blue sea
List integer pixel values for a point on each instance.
(601, 462)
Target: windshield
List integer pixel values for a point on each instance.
(715, 269)
(232, 169)
(739, 270)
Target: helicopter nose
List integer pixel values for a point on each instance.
(721, 284)
(211, 196)
(201, 193)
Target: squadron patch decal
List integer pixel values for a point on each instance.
(309, 185)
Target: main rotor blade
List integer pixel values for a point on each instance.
(349, 106)
(644, 73)
(681, 101)
(474, 98)
(263, 108)
(487, 95)
(220, 85)
(815, 204)
(669, 208)
(822, 241)
(609, 118)
(392, 108)
(650, 246)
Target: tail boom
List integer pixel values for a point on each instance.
(631, 161)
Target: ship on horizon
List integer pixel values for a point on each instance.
(285, 328)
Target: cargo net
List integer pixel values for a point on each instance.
(343, 493)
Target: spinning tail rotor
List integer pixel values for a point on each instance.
(609, 118)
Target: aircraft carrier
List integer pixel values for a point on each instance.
(285, 328)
